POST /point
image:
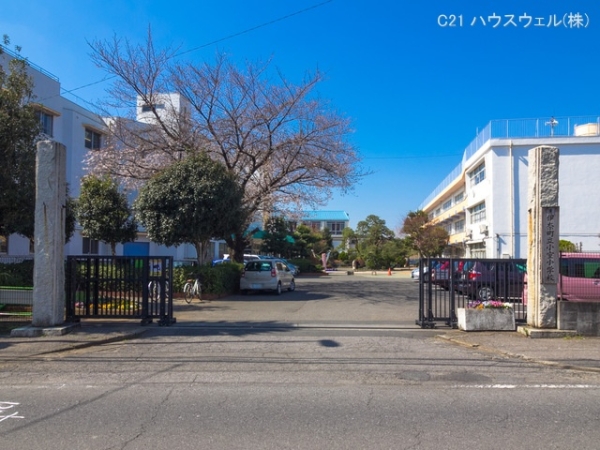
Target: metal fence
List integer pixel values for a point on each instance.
(446, 284)
(16, 288)
(96, 287)
(120, 287)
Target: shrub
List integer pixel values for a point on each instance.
(220, 279)
(304, 264)
(17, 274)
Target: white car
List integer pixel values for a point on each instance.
(267, 274)
(415, 273)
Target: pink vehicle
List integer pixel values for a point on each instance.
(579, 277)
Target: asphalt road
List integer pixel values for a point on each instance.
(193, 386)
(337, 300)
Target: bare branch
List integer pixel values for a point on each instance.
(284, 144)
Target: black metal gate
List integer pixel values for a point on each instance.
(120, 287)
(446, 284)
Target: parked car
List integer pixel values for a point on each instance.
(579, 277)
(487, 280)
(294, 268)
(415, 273)
(267, 274)
(227, 259)
(442, 274)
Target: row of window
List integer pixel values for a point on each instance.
(93, 139)
(88, 247)
(455, 200)
(477, 175)
(477, 213)
(455, 227)
(335, 228)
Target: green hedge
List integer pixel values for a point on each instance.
(17, 274)
(306, 265)
(220, 279)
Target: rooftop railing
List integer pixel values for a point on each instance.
(29, 63)
(520, 129)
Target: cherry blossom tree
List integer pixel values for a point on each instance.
(285, 146)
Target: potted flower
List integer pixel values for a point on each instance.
(489, 315)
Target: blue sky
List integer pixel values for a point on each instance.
(416, 91)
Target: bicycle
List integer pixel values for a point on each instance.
(191, 289)
(154, 289)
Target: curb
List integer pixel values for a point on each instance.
(516, 355)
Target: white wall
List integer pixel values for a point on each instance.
(579, 197)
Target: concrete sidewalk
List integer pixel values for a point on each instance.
(571, 352)
(580, 353)
(237, 312)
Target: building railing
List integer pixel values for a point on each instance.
(29, 63)
(520, 129)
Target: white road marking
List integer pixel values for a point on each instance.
(9, 405)
(526, 386)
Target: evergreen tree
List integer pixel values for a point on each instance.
(192, 201)
(103, 212)
(19, 128)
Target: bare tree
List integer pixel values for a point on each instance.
(285, 146)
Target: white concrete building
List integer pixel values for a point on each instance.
(483, 202)
(70, 124)
(81, 130)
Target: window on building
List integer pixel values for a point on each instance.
(459, 226)
(89, 246)
(314, 226)
(438, 212)
(459, 198)
(477, 175)
(336, 228)
(477, 250)
(93, 140)
(477, 213)
(46, 122)
(448, 228)
(147, 107)
(3, 244)
(447, 205)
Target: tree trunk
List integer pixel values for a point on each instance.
(237, 244)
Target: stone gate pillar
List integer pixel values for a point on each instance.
(49, 235)
(543, 234)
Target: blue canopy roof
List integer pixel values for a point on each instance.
(338, 216)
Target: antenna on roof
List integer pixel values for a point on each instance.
(552, 122)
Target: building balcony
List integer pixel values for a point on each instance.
(457, 238)
(453, 213)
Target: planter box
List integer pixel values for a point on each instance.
(488, 319)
